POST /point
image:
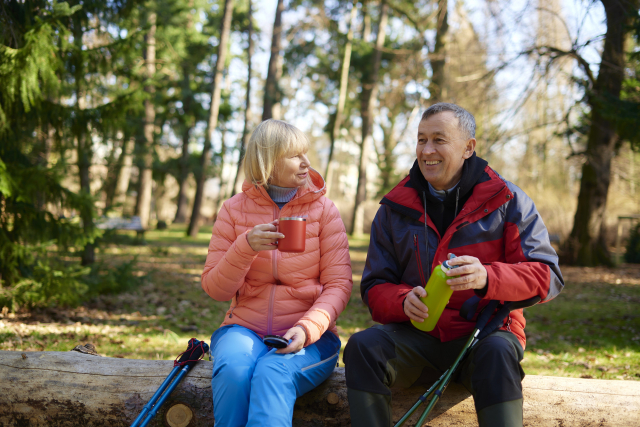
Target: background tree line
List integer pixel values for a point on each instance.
(143, 108)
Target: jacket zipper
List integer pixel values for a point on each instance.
(419, 260)
(270, 316)
(274, 253)
(274, 267)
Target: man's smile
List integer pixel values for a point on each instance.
(432, 163)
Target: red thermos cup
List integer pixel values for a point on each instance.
(295, 231)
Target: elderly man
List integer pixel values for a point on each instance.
(452, 202)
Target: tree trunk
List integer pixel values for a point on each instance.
(586, 244)
(437, 85)
(183, 202)
(188, 122)
(387, 161)
(46, 134)
(69, 389)
(342, 97)
(124, 174)
(225, 31)
(145, 179)
(113, 167)
(247, 110)
(222, 186)
(83, 145)
(368, 97)
(271, 90)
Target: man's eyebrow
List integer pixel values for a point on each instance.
(443, 133)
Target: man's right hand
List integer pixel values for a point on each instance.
(264, 237)
(414, 307)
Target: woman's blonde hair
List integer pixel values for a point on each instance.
(271, 141)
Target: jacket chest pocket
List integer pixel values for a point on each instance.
(417, 258)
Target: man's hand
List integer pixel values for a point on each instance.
(298, 336)
(264, 237)
(473, 275)
(414, 307)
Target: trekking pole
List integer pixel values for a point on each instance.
(194, 352)
(483, 328)
(442, 385)
(420, 401)
(152, 401)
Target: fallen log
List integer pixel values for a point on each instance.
(61, 389)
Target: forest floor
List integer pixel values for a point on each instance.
(591, 330)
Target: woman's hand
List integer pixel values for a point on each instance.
(298, 337)
(413, 306)
(473, 275)
(264, 237)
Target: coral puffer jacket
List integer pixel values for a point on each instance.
(272, 291)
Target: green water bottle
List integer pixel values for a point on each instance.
(438, 294)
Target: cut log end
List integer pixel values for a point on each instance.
(179, 415)
(333, 398)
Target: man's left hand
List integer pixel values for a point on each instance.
(473, 275)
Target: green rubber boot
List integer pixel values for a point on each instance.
(505, 414)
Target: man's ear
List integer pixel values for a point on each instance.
(470, 148)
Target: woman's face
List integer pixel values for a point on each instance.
(291, 171)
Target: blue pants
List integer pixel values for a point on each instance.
(254, 386)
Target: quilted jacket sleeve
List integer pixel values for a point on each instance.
(381, 286)
(335, 275)
(229, 259)
(531, 264)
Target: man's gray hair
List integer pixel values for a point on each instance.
(466, 122)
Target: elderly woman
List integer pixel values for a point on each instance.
(296, 295)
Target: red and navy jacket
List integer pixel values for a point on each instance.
(499, 224)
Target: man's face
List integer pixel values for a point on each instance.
(442, 149)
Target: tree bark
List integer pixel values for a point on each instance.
(368, 97)
(342, 97)
(247, 110)
(437, 84)
(586, 245)
(216, 89)
(68, 389)
(271, 90)
(145, 179)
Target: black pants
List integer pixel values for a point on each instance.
(399, 355)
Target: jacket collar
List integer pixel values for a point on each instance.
(313, 190)
(472, 172)
(405, 197)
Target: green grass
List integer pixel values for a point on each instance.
(591, 330)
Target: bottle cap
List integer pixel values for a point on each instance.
(445, 264)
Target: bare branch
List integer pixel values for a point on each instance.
(555, 53)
